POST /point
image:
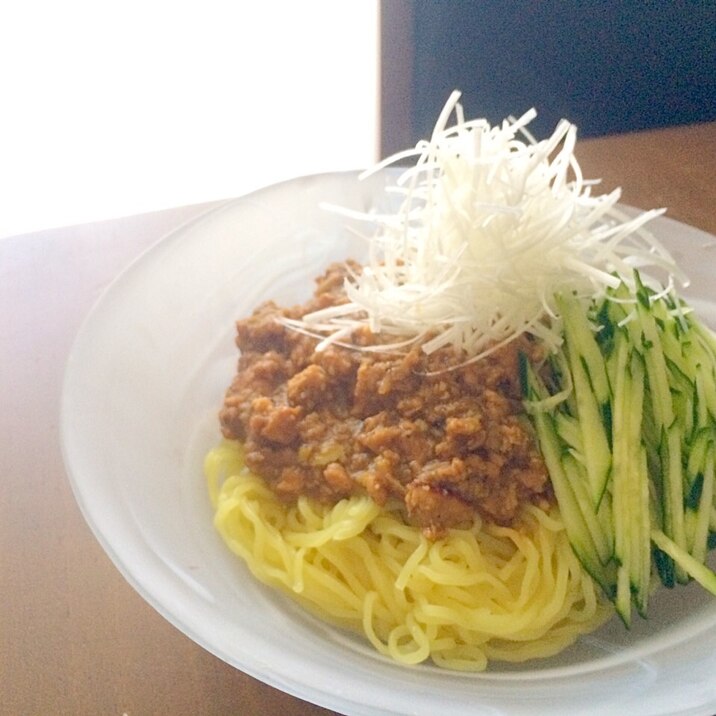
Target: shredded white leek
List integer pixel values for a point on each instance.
(492, 225)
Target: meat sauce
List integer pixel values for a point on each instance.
(447, 443)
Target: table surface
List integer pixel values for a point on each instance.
(75, 638)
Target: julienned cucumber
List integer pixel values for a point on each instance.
(591, 394)
(625, 415)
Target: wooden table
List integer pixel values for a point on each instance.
(74, 636)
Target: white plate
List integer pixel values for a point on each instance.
(144, 383)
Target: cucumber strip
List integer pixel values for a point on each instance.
(577, 531)
(709, 389)
(670, 397)
(579, 535)
(581, 342)
(698, 570)
(701, 445)
(701, 528)
(640, 550)
(639, 488)
(569, 431)
(591, 393)
(707, 343)
(678, 379)
(656, 369)
(595, 441)
(706, 334)
(703, 387)
(564, 436)
(698, 491)
(598, 524)
(664, 567)
(641, 581)
(673, 492)
(652, 441)
(632, 545)
(620, 477)
(622, 601)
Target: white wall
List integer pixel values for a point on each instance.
(116, 108)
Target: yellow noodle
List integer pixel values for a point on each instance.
(477, 595)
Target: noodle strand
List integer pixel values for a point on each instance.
(471, 597)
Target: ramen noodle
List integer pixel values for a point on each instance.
(474, 595)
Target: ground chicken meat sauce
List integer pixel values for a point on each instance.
(342, 421)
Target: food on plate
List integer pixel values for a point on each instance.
(491, 432)
(478, 594)
(330, 424)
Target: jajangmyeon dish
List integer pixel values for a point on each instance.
(492, 434)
